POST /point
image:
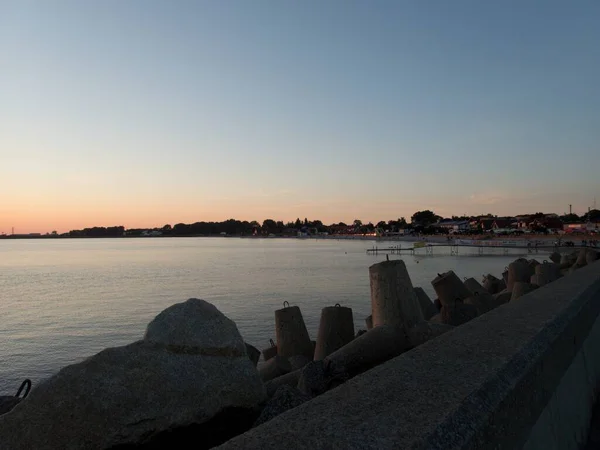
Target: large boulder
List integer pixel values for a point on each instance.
(189, 371)
(7, 402)
(285, 397)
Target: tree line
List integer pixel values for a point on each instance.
(420, 221)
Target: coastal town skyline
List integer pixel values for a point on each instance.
(418, 218)
(145, 113)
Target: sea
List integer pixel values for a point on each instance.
(62, 300)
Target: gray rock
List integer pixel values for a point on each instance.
(8, 402)
(196, 324)
(436, 319)
(285, 397)
(425, 331)
(360, 333)
(591, 256)
(191, 367)
(318, 377)
(253, 354)
(291, 379)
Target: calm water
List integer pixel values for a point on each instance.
(63, 300)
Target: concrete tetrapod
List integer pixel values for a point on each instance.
(550, 271)
(475, 287)
(270, 352)
(567, 260)
(555, 257)
(393, 299)
(336, 329)
(591, 256)
(292, 335)
(581, 258)
(502, 297)
(275, 367)
(370, 349)
(458, 313)
(449, 288)
(427, 307)
(538, 280)
(484, 302)
(521, 288)
(518, 271)
(491, 284)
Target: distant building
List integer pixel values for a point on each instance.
(454, 225)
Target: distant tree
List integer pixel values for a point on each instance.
(305, 222)
(593, 214)
(357, 223)
(319, 226)
(167, 228)
(425, 218)
(381, 224)
(570, 218)
(269, 225)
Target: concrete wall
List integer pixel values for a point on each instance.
(524, 375)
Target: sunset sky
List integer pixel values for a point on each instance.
(143, 113)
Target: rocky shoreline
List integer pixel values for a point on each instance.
(192, 381)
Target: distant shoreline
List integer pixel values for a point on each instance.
(541, 238)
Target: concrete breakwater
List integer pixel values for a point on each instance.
(192, 381)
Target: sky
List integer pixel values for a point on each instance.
(145, 113)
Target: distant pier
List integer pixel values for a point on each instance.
(483, 248)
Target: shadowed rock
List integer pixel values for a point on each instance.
(502, 297)
(317, 377)
(520, 289)
(8, 402)
(275, 367)
(191, 366)
(484, 302)
(458, 313)
(298, 362)
(555, 257)
(289, 379)
(427, 307)
(253, 353)
(285, 397)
